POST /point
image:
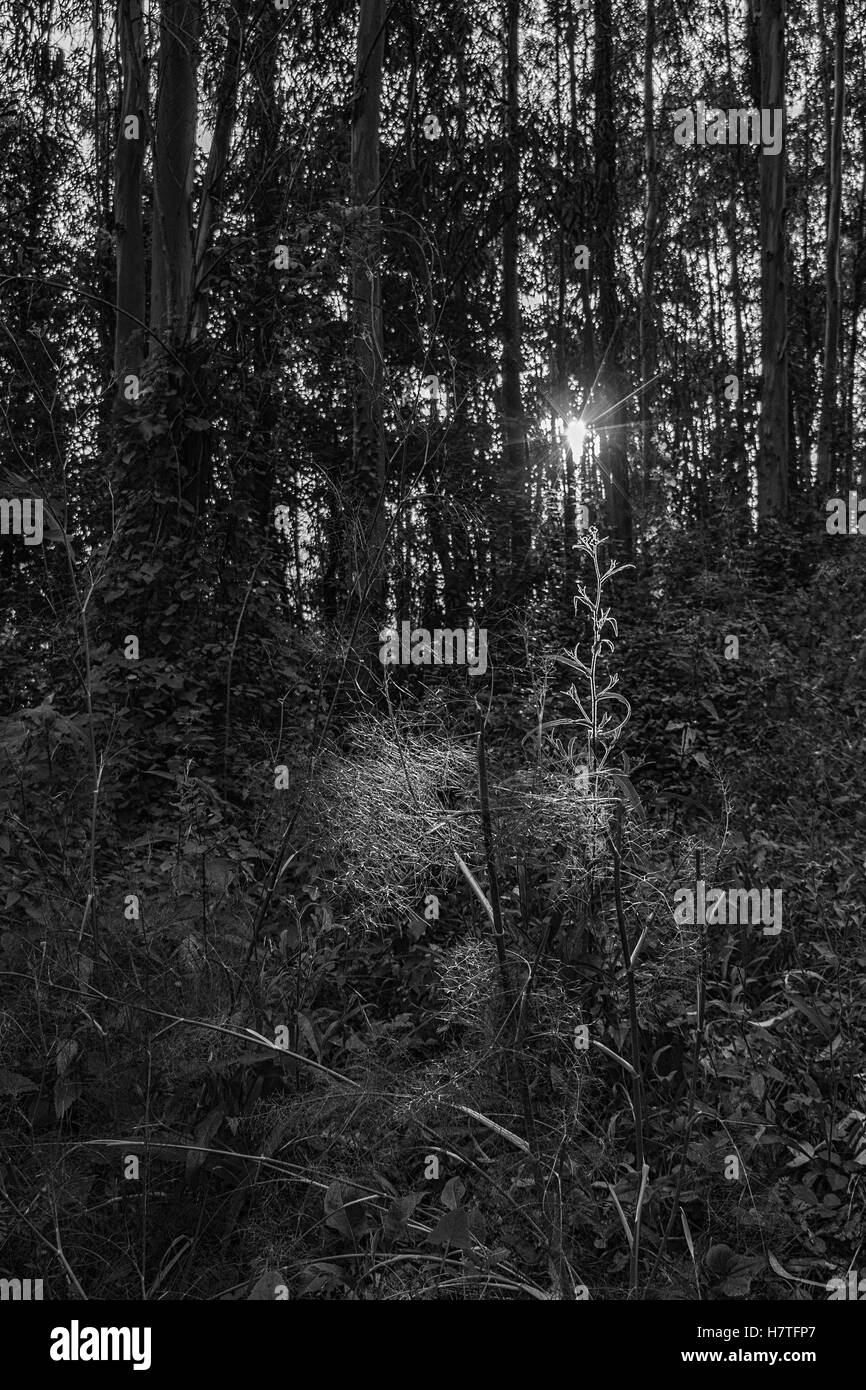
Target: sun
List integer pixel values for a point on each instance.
(576, 434)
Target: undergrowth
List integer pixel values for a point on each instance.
(452, 1041)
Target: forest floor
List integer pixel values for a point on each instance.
(329, 1086)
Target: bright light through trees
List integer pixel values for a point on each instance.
(576, 435)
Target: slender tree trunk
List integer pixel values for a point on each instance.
(105, 137)
(651, 211)
(173, 167)
(514, 471)
(740, 472)
(256, 481)
(856, 306)
(560, 355)
(613, 456)
(130, 261)
(217, 165)
(773, 455)
(827, 440)
(368, 447)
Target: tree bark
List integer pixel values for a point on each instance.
(647, 316)
(129, 232)
(827, 427)
(514, 461)
(773, 454)
(217, 165)
(173, 167)
(368, 446)
(613, 456)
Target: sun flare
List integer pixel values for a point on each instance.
(576, 434)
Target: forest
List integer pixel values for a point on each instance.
(432, 651)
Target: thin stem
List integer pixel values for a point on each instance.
(637, 1079)
(693, 1083)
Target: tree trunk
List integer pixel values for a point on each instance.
(173, 167)
(773, 454)
(739, 473)
(514, 461)
(368, 446)
(613, 456)
(827, 439)
(217, 164)
(647, 316)
(130, 262)
(849, 382)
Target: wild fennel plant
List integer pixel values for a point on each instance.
(602, 730)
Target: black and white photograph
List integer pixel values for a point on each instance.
(432, 675)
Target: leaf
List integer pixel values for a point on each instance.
(417, 926)
(347, 1217)
(702, 760)
(263, 1291)
(823, 1024)
(777, 1268)
(452, 1229)
(12, 1083)
(398, 1215)
(203, 1135)
(319, 1277)
(452, 1193)
(497, 1129)
(738, 1285)
(688, 1235)
(66, 1093)
(66, 1055)
(308, 1028)
(719, 1259)
(800, 1157)
(625, 785)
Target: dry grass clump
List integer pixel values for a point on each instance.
(466, 1075)
(389, 811)
(469, 978)
(553, 812)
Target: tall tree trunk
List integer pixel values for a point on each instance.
(171, 283)
(217, 165)
(130, 262)
(580, 180)
(651, 210)
(368, 445)
(105, 136)
(560, 356)
(739, 473)
(173, 167)
(613, 455)
(514, 470)
(856, 306)
(254, 478)
(827, 432)
(773, 454)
